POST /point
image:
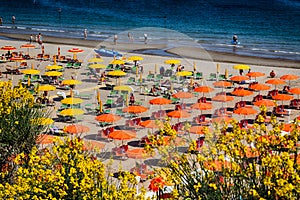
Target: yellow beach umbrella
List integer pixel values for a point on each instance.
(123, 88)
(95, 60)
(54, 67)
(53, 73)
(184, 73)
(30, 71)
(71, 101)
(117, 62)
(97, 66)
(135, 58)
(172, 61)
(71, 112)
(116, 73)
(241, 66)
(46, 88)
(71, 82)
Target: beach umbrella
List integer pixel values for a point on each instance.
(202, 106)
(245, 111)
(239, 78)
(255, 74)
(289, 77)
(30, 71)
(17, 59)
(53, 73)
(282, 97)
(46, 88)
(75, 51)
(71, 82)
(184, 73)
(178, 114)
(160, 101)
(53, 67)
(172, 61)
(183, 95)
(71, 101)
(97, 66)
(122, 135)
(95, 60)
(109, 118)
(135, 59)
(138, 153)
(123, 88)
(28, 46)
(222, 119)
(222, 98)
(222, 84)
(76, 129)
(45, 139)
(92, 145)
(276, 82)
(201, 130)
(204, 89)
(117, 62)
(135, 109)
(116, 73)
(8, 48)
(295, 91)
(259, 87)
(151, 124)
(242, 93)
(241, 66)
(71, 112)
(265, 102)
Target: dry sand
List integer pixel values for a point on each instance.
(206, 62)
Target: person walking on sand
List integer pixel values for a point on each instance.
(1, 21)
(85, 34)
(115, 39)
(40, 39)
(31, 38)
(130, 37)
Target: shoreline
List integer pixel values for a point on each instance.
(182, 51)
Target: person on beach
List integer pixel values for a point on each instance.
(85, 34)
(1, 21)
(272, 74)
(13, 19)
(40, 39)
(235, 39)
(145, 38)
(31, 38)
(115, 39)
(130, 37)
(131, 99)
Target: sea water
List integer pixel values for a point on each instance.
(266, 28)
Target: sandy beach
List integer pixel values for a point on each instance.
(205, 61)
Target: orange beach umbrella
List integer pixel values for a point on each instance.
(92, 145)
(289, 77)
(135, 109)
(151, 124)
(222, 98)
(255, 74)
(76, 128)
(108, 118)
(259, 87)
(245, 111)
(28, 46)
(44, 139)
(204, 89)
(282, 97)
(178, 114)
(138, 153)
(8, 48)
(242, 93)
(183, 95)
(160, 101)
(202, 106)
(222, 84)
(239, 78)
(122, 135)
(276, 82)
(75, 51)
(265, 102)
(198, 130)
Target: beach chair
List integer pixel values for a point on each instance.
(150, 77)
(199, 75)
(212, 77)
(130, 81)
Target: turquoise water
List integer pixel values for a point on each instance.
(268, 28)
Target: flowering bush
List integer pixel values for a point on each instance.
(66, 171)
(258, 163)
(17, 131)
